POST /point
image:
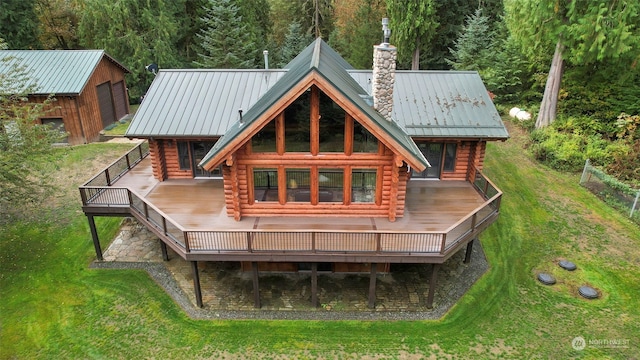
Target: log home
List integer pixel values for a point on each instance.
(88, 85)
(315, 167)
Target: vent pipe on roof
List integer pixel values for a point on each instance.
(266, 59)
(240, 112)
(384, 74)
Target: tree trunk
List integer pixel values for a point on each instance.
(415, 59)
(547, 113)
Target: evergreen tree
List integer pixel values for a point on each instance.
(294, 42)
(413, 24)
(18, 24)
(255, 14)
(225, 40)
(590, 33)
(473, 48)
(138, 32)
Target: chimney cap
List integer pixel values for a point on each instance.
(386, 31)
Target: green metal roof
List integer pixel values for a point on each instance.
(60, 72)
(323, 60)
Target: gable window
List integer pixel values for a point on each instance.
(297, 125)
(265, 140)
(331, 125)
(363, 140)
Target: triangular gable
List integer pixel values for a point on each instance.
(320, 65)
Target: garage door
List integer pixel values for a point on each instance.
(105, 101)
(120, 99)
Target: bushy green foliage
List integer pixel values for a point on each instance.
(569, 142)
(25, 146)
(599, 93)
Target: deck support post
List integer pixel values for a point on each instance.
(467, 255)
(256, 287)
(94, 236)
(372, 286)
(432, 285)
(196, 283)
(163, 247)
(314, 285)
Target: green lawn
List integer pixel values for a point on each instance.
(53, 306)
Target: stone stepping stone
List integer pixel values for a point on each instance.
(567, 265)
(546, 279)
(588, 292)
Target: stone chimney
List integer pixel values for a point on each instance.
(384, 74)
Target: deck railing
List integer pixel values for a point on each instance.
(281, 242)
(95, 192)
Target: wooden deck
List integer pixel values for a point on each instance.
(189, 215)
(198, 204)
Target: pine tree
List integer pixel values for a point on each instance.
(294, 42)
(472, 50)
(225, 39)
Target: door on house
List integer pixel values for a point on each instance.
(433, 153)
(199, 150)
(105, 102)
(441, 156)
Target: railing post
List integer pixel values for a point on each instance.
(164, 225)
(486, 186)
(140, 150)
(130, 198)
(106, 175)
(146, 211)
(313, 242)
(444, 242)
(128, 162)
(473, 221)
(186, 241)
(249, 247)
(378, 243)
(83, 196)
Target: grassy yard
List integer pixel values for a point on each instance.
(53, 306)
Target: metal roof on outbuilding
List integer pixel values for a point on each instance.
(60, 72)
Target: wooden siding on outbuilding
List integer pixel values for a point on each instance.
(73, 77)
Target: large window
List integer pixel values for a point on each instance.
(330, 185)
(297, 125)
(441, 156)
(363, 140)
(331, 125)
(311, 128)
(190, 153)
(363, 185)
(265, 139)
